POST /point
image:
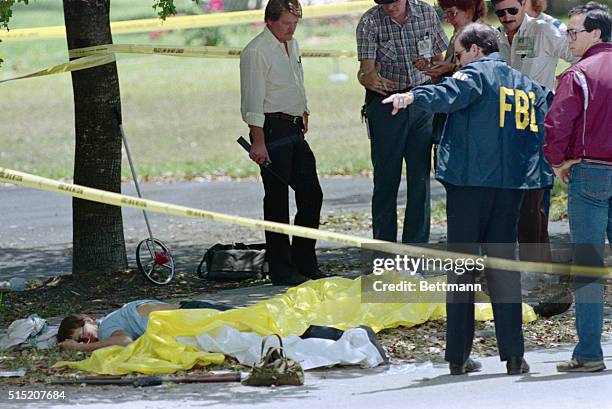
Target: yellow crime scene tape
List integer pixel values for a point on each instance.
(80, 64)
(116, 199)
(103, 54)
(184, 22)
(191, 51)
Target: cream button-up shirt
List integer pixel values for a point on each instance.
(270, 79)
(536, 49)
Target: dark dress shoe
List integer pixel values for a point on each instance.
(288, 279)
(555, 304)
(316, 274)
(374, 340)
(517, 365)
(469, 366)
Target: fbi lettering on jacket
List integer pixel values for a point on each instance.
(519, 103)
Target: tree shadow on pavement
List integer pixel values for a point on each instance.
(34, 263)
(43, 263)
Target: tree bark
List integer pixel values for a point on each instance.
(98, 241)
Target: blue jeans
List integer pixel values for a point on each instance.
(590, 217)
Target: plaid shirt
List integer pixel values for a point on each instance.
(384, 40)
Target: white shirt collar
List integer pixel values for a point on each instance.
(274, 41)
(526, 23)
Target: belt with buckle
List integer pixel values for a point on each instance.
(296, 120)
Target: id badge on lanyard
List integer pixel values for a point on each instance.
(424, 46)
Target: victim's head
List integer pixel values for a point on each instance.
(80, 328)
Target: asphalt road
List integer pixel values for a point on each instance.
(422, 386)
(36, 226)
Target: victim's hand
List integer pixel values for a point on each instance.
(69, 345)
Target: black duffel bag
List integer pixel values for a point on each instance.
(233, 262)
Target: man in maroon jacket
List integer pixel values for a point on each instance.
(579, 148)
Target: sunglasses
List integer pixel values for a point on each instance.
(510, 10)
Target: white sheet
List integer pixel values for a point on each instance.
(353, 348)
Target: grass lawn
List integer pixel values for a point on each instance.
(181, 115)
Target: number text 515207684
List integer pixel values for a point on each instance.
(36, 395)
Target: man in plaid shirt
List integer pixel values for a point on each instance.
(391, 37)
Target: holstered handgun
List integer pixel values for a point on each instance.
(364, 119)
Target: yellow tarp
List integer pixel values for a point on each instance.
(334, 302)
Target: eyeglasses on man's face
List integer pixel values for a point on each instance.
(573, 33)
(459, 53)
(511, 10)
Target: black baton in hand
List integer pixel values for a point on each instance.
(265, 165)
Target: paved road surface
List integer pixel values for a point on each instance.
(36, 226)
(404, 386)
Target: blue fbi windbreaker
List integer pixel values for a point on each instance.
(494, 132)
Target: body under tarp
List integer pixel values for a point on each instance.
(331, 302)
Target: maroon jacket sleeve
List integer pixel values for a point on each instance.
(561, 121)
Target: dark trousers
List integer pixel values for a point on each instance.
(484, 220)
(405, 137)
(533, 227)
(293, 164)
(191, 305)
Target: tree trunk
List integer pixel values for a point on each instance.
(98, 242)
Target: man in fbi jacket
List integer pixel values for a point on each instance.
(490, 153)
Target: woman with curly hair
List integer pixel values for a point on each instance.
(459, 13)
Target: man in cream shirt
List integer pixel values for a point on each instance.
(533, 46)
(274, 106)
